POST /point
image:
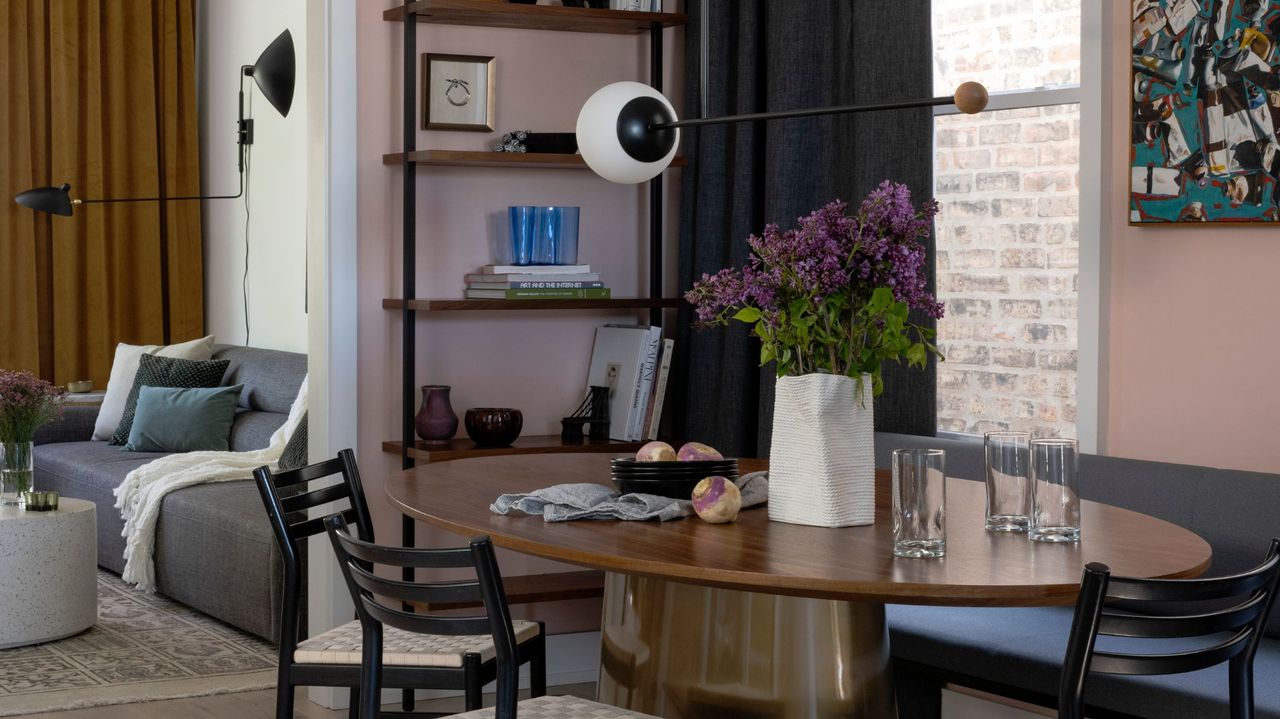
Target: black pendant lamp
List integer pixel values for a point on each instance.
(275, 74)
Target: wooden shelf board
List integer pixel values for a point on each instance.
(484, 158)
(499, 13)
(457, 305)
(463, 448)
(533, 588)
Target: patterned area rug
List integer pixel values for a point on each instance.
(143, 648)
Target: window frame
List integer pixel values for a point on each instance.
(1090, 95)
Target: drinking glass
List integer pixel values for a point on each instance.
(556, 236)
(1055, 490)
(919, 503)
(522, 224)
(1008, 481)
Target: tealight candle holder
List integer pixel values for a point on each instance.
(34, 501)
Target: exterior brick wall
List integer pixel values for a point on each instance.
(1008, 231)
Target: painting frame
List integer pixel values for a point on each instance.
(1204, 146)
(444, 98)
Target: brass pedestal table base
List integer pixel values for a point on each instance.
(683, 652)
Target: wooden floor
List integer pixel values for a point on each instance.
(255, 705)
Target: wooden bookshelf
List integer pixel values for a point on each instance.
(460, 305)
(464, 448)
(500, 13)
(483, 158)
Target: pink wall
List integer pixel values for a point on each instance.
(534, 361)
(1190, 324)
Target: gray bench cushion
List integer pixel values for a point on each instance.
(271, 379)
(1024, 647)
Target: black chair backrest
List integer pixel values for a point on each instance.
(287, 497)
(1235, 606)
(378, 599)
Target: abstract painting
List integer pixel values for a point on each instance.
(1206, 111)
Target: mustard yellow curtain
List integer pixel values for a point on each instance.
(100, 94)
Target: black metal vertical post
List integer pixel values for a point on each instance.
(408, 318)
(656, 224)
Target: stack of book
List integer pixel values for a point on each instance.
(633, 362)
(536, 282)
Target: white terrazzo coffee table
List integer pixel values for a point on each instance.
(48, 573)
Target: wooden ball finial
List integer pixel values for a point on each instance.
(971, 98)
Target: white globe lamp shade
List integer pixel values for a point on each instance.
(613, 134)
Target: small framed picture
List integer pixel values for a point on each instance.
(457, 92)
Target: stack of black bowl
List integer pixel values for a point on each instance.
(669, 479)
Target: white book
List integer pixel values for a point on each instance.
(615, 363)
(654, 414)
(526, 277)
(535, 269)
(648, 373)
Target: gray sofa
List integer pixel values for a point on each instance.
(1018, 652)
(214, 548)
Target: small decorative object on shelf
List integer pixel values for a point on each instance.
(493, 426)
(556, 143)
(593, 411)
(436, 421)
(543, 235)
(512, 142)
(26, 403)
(80, 386)
(830, 302)
(40, 501)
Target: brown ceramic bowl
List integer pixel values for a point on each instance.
(493, 426)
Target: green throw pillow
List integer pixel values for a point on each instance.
(154, 371)
(173, 419)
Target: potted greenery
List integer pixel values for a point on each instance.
(829, 301)
(26, 403)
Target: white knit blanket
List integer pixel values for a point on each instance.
(138, 498)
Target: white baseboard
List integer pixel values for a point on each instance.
(571, 659)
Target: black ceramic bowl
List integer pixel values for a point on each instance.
(493, 426)
(674, 488)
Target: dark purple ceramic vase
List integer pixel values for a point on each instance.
(436, 421)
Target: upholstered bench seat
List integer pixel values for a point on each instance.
(1023, 648)
(342, 645)
(559, 708)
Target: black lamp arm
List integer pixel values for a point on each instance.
(811, 112)
(162, 199)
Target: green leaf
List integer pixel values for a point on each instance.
(917, 355)
(766, 354)
(748, 315)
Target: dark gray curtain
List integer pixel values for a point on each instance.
(783, 55)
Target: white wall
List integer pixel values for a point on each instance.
(232, 33)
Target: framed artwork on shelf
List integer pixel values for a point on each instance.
(1205, 112)
(457, 92)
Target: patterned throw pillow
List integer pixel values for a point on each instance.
(154, 371)
(295, 450)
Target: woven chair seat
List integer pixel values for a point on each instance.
(342, 645)
(559, 708)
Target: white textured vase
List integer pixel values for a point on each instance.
(822, 458)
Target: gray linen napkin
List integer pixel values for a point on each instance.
(564, 502)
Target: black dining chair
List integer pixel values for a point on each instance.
(378, 598)
(1227, 614)
(333, 658)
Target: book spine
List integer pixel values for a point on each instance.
(602, 293)
(529, 285)
(535, 269)
(660, 390)
(648, 369)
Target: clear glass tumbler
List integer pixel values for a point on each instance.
(1055, 490)
(521, 221)
(556, 236)
(919, 503)
(1008, 481)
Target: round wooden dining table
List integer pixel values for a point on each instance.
(765, 619)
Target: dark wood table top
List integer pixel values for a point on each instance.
(753, 554)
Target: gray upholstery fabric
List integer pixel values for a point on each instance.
(215, 552)
(964, 456)
(214, 548)
(76, 425)
(270, 377)
(1023, 647)
(252, 429)
(769, 56)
